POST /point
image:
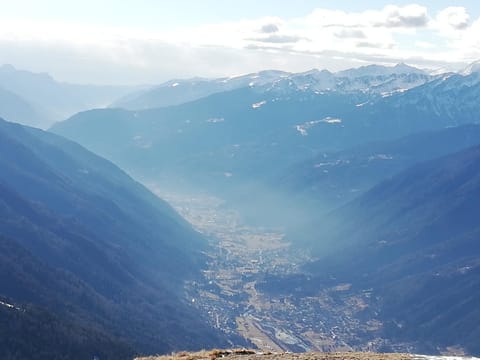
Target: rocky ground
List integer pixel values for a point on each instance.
(255, 355)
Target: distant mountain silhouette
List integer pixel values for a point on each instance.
(56, 100)
(16, 108)
(375, 79)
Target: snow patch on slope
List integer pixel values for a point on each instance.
(215, 120)
(441, 357)
(10, 306)
(330, 120)
(472, 68)
(302, 128)
(259, 104)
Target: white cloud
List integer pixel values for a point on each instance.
(269, 28)
(350, 33)
(424, 45)
(455, 28)
(279, 39)
(410, 16)
(466, 43)
(324, 38)
(455, 17)
(391, 16)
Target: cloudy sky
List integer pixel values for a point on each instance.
(149, 41)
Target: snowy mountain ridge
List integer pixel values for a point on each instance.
(471, 69)
(371, 79)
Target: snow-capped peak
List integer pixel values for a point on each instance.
(403, 68)
(472, 68)
(380, 70)
(314, 72)
(440, 71)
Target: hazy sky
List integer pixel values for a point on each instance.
(148, 41)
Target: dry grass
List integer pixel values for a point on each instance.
(244, 354)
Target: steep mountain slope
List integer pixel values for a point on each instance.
(18, 109)
(93, 247)
(58, 100)
(33, 332)
(413, 239)
(449, 100)
(472, 68)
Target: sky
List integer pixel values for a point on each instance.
(148, 41)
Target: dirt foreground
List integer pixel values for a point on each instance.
(243, 354)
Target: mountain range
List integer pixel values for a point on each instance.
(373, 171)
(342, 165)
(253, 133)
(41, 100)
(374, 79)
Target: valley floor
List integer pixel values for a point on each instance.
(336, 318)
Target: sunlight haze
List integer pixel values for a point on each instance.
(147, 41)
